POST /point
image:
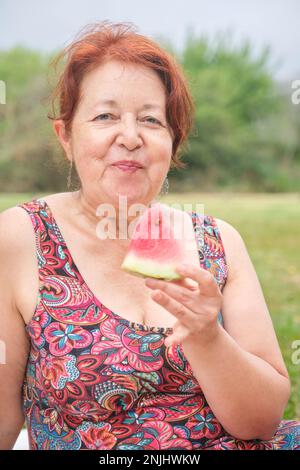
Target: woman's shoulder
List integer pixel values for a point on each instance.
(18, 252)
(13, 226)
(225, 228)
(16, 242)
(16, 234)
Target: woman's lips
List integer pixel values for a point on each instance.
(127, 168)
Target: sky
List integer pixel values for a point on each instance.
(49, 25)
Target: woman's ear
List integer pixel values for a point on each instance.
(63, 136)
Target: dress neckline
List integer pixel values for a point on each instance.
(131, 324)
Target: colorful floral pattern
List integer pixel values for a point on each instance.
(95, 380)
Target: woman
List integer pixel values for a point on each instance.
(98, 358)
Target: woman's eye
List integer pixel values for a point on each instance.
(154, 120)
(107, 116)
(102, 117)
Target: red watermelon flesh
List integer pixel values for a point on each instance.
(157, 245)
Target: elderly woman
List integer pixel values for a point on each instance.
(97, 358)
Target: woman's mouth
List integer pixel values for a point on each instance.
(126, 168)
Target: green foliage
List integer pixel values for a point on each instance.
(238, 108)
(29, 157)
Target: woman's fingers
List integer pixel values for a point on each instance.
(183, 295)
(183, 314)
(206, 281)
(187, 302)
(186, 282)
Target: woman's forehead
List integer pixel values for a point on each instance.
(113, 81)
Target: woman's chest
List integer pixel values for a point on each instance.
(97, 274)
(124, 294)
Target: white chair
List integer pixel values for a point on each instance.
(22, 441)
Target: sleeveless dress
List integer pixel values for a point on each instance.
(95, 380)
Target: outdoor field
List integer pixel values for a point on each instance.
(270, 227)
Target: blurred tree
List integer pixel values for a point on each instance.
(235, 95)
(30, 158)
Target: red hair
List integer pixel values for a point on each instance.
(102, 41)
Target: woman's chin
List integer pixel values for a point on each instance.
(130, 196)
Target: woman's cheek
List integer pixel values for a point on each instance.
(164, 147)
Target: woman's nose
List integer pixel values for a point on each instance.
(129, 134)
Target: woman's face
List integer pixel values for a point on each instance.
(121, 116)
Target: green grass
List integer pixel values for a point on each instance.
(270, 227)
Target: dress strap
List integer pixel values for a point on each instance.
(215, 257)
(211, 249)
(33, 209)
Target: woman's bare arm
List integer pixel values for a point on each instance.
(13, 337)
(242, 372)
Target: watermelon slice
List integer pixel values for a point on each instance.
(162, 239)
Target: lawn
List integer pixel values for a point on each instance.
(270, 227)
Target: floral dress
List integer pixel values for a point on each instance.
(95, 380)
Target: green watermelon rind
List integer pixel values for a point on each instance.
(147, 268)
